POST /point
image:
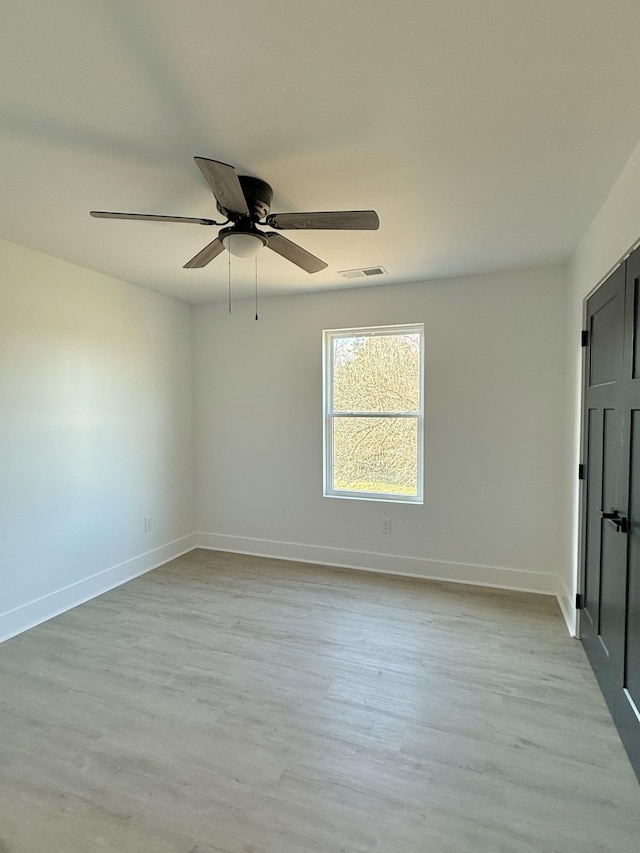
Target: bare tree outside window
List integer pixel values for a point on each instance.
(373, 425)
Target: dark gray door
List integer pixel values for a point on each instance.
(610, 627)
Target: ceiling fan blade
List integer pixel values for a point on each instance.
(207, 254)
(347, 220)
(225, 185)
(294, 253)
(151, 217)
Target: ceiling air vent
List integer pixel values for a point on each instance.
(361, 273)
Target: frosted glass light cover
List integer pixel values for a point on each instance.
(242, 245)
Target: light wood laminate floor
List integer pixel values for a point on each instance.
(244, 705)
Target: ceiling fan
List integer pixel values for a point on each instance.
(246, 203)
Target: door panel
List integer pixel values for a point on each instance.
(634, 284)
(612, 554)
(593, 530)
(605, 344)
(632, 669)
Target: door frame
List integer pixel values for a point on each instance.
(581, 502)
(579, 528)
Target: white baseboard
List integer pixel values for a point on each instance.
(391, 564)
(567, 606)
(33, 613)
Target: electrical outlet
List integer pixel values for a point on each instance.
(147, 524)
(385, 525)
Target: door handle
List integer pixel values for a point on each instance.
(621, 523)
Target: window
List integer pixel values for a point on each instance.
(373, 413)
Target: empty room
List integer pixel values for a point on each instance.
(319, 384)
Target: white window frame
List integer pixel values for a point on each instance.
(329, 414)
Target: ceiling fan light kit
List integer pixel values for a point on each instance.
(242, 244)
(246, 202)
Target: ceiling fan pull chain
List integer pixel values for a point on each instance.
(256, 260)
(229, 253)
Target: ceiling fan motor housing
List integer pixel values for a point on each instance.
(258, 195)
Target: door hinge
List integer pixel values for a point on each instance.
(584, 338)
(581, 471)
(578, 601)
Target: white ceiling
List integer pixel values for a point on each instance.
(486, 133)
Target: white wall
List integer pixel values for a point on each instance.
(95, 433)
(494, 512)
(614, 231)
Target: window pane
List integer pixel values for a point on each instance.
(376, 373)
(375, 455)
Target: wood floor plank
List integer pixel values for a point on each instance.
(232, 704)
